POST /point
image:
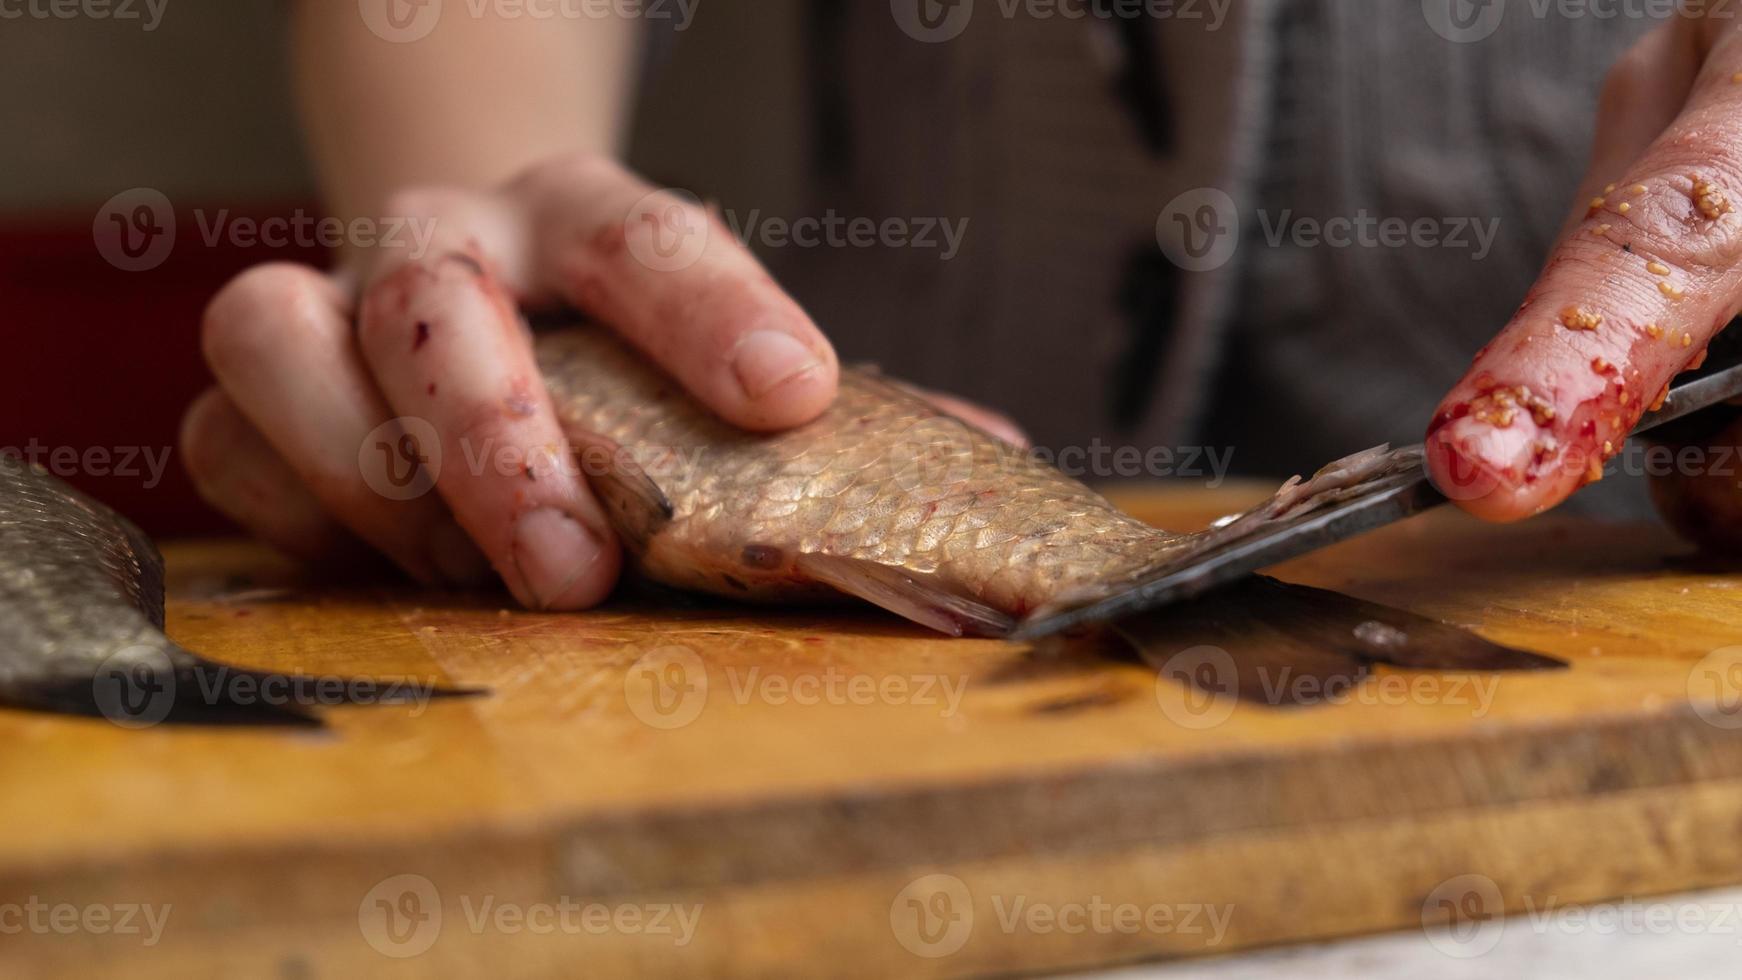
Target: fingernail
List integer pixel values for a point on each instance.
(551, 552)
(455, 556)
(766, 359)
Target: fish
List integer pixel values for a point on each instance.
(82, 626)
(890, 499)
(885, 498)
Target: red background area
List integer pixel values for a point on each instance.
(95, 356)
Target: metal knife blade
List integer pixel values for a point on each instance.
(1390, 499)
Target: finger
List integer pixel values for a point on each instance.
(672, 280)
(278, 337)
(1697, 488)
(445, 342)
(1624, 303)
(238, 472)
(1643, 93)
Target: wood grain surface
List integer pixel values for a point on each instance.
(720, 790)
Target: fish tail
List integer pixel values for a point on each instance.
(166, 684)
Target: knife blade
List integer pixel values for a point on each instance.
(1391, 498)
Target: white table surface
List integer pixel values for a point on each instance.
(1680, 937)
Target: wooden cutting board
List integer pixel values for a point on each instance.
(839, 793)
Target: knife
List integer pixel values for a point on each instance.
(1391, 498)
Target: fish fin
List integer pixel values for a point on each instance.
(638, 509)
(906, 594)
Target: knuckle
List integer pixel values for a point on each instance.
(569, 169)
(249, 314)
(425, 201)
(1671, 218)
(1626, 83)
(1623, 88)
(387, 309)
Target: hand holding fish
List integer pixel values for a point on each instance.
(307, 374)
(1647, 271)
(310, 379)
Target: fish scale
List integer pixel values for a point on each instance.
(884, 497)
(883, 478)
(887, 498)
(76, 546)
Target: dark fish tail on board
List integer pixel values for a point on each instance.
(81, 623)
